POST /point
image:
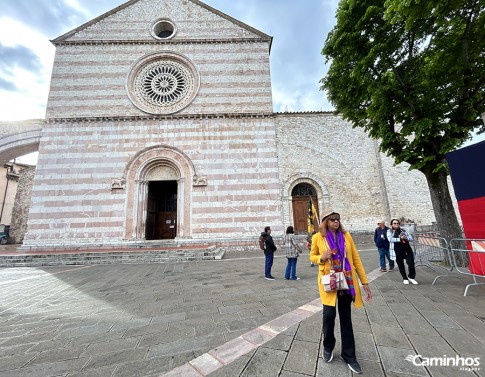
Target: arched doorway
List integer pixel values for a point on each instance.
(158, 205)
(301, 194)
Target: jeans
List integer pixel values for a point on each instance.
(268, 263)
(346, 331)
(383, 254)
(291, 268)
(409, 256)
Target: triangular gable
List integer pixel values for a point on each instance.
(92, 30)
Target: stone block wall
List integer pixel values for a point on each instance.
(350, 174)
(20, 212)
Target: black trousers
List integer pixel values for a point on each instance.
(408, 255)
(346, 331)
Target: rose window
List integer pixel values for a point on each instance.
(162, 83)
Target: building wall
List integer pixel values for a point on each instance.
(8, 187)
(234, 160)
(20, 212)
(340, 162)
(73, 200)
(349, 173)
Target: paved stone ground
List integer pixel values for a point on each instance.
(170, 318)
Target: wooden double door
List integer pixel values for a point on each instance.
(161, 220)
(300, 213)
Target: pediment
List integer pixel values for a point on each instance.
(138, 20)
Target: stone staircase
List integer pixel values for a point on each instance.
(13, 258)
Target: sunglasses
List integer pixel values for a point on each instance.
(334, 219)
(394, 223)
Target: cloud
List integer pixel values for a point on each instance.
(51, 17)
(7, 85)
(299, 30)
(18, 57)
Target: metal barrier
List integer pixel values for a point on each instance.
(433, 252)
(469, 262)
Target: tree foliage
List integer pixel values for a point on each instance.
(411, 73)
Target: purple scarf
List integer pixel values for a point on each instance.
(339, 245)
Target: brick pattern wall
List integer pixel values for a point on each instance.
(73, 201)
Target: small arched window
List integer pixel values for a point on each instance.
(303, 189)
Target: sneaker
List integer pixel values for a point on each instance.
(413, 281)
(355, 367)
(405, 282)
(391, 269)
(327, 356)
(383, 270)
(269, 278)
(296, 279)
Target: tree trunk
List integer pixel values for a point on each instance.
(443, 206)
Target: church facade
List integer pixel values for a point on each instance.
(160, 127)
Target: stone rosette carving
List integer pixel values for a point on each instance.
(162, 83)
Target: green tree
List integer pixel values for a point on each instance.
(411, 73)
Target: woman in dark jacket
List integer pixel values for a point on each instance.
(400, 250)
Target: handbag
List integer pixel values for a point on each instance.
(335, 281)
(340, 282)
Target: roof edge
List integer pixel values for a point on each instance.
(264, 36)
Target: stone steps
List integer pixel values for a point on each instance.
(38, 259)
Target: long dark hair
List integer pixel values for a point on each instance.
(289, 230)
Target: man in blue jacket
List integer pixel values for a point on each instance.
(382, 243)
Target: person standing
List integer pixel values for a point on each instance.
(401, 250)
(269, 249)
(382, 243)
(293, 250)
(333, 246)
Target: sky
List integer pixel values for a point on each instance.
(298, 28)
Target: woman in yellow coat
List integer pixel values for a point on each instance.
(333, 247)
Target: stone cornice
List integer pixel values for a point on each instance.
(158, 42)
(160, 117)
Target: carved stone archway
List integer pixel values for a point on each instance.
(162, 162)
(294, 180)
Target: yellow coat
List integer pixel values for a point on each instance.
(318, 249)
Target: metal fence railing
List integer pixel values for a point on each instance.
(433, 252)
(465, 256)
(469, 262)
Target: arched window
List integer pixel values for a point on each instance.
(303, 189)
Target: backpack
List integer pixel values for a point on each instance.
(262, 242)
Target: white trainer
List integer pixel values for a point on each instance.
(413, 281)
(405, 282)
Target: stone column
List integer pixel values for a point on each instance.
(140, 209)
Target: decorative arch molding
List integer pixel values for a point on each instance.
(140, 170)
(296, 179)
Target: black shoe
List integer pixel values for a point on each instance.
(269, 278)
(355, 367)
(327, 356)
